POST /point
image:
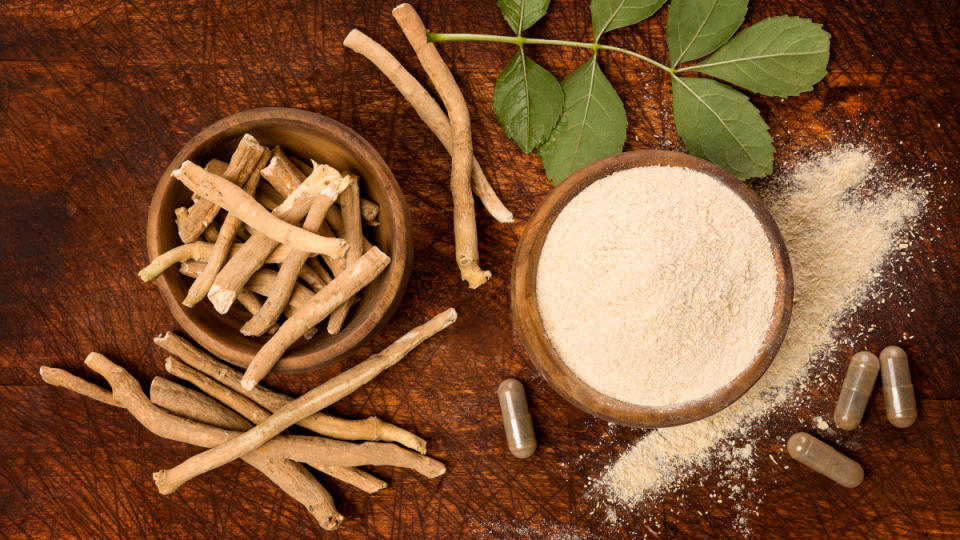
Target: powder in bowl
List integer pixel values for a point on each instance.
(657, 286)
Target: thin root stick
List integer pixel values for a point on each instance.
(195, 406)
(193, 221)
(353, 234)
(429, 111)
(306, 405)
(464, 219)
(290, 268)
(252, 304)
(369, 429)
(198, 251)
(65, 379)
(233, 275)
(234, 199)
(322, 304)
(291, 477)
(227, 233)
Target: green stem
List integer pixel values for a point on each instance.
(520, 41)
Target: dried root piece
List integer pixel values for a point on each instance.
(306, 405)
(282, 174)
(464, 219)
(198, 251)
(291, 477)
(244, 162)
(369, 429)
(324, 181)
(429, 111)
(235, 200)
(369, 211)
(353, 234)
(347, 284)
(196, 406)
(252, 304)
(260, 283)
(228, 231)
(65, 379)
(291, 268)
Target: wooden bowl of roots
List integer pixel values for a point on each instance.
(543, 356)
(305, 135)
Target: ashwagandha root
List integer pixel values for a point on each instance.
(226, 235)
(429, 111)
(322, 304)
(235, 200)
(369, 211)
(313, 278)
(306, 405)
(368, 429)
(291, 268)
(324, 180)
(65, 379)
(292, 173)
(288, 475)
(244, 162)
(282, 174)
(353, 234)
(199, 251)
(252, 304)
(196, 406)
(260, 283)
(464, 218)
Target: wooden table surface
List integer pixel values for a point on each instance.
(96, 97)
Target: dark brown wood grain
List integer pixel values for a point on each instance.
(533, 336)
(97, 97)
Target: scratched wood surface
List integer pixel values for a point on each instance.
(95, 97)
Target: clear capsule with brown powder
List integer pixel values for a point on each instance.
(898, 394)
(517, 422)
(857, 387)
(824, 459)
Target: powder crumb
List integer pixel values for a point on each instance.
(657, 285)
(828, 204)
(821, 424)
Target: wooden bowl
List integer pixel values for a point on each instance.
(310, 136)
(526, 315)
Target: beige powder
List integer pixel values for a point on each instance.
(839, 236)
(656, 285)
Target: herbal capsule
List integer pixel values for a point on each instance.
(517, 421)
(897, 389)
(857, 387)
(824, 459)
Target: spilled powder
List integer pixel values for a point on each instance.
(839, 233)
(656, 285)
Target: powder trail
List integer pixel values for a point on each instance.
(838, 235)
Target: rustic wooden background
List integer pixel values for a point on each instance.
(95, 98)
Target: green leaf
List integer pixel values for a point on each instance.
(608, 15)
(522, 14)
(695, 28)
(720, 124)
(528, 101)
(593, 124)
(779, 56)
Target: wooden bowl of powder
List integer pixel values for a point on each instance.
(651, 288)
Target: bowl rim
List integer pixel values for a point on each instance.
(543, 357)
(333, 348)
